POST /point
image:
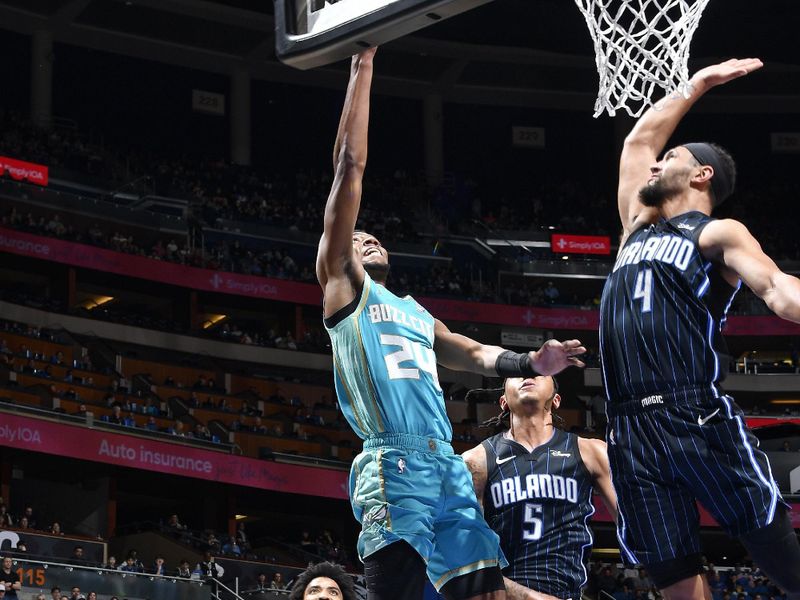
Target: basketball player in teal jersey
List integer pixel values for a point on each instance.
(411, 493)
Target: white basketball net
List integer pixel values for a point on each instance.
(640, 45)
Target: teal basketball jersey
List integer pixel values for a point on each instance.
(385, 367)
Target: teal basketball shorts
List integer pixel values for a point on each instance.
(412, 488)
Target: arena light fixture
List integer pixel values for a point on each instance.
(211, 320)
(93, 302)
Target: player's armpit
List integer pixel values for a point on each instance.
(515, 591)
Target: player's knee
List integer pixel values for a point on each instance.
(395, 572)
(678, 578)
(776, 550)
(485, 584)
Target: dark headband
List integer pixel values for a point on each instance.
(722, 180)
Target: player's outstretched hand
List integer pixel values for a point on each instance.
(727, 71)
(555, 356)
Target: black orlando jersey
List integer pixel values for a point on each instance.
(539, 503)
(662, 313)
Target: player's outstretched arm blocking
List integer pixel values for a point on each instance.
(460, 353)
(730, 242)
(652, 132)
(339, 274)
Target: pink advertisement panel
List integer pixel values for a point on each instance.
(99, 259)
(95, 445)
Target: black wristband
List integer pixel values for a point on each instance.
(511, 364)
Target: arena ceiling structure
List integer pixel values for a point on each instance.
(534, 53)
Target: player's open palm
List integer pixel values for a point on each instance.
(554, 356)
(728, 70)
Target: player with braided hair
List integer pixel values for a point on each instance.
(535, 485)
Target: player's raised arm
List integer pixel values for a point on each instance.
(460, 353)
(338, 273)
(729, 242)
(651, 133)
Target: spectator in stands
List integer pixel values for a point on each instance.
(201, 433)
(240, 424)
(277, 582)
(28, 514)
(262, 585)
(23, 523)
(78, 557)
(606, 582)
(184, 570)
(81, 412)
(213, 542)
(232, 548)
(41, 597)
(152, 424)
(129, 566)
(116, 415)
(242, 538)
(787, 446)
(76, 593)
(209, 567)
(5, 518)
(92, 596)
(307, 543)
(322, 578)
(159, 568)
(174, 524)
(22, 547)
(642, 583)
(111, 565)
(10, 578)
(179, 429)
(55, 593)
(55, 528)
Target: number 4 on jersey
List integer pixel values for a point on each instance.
(644, 290)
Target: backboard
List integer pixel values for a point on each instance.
(312, 33)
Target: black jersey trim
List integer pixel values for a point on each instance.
(344, 312)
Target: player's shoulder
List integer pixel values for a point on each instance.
(593, 453)
(477, 461)
(719, 233)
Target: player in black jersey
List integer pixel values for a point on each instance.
(674, 436)
(535, 485)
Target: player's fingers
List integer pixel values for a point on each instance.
(570, 344)
(578, 350)
(574, 362)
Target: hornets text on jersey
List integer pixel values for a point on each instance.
(661, 314)
(539, 503)
(385, 367)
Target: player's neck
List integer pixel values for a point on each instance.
(531, 432)
(688, 202)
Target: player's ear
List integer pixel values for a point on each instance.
(704, 175)
(503, 402)
(556, 402)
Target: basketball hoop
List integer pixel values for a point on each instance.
(640, 45)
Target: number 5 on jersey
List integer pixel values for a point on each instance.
(531, 518)
(418, 355)
(644, 289)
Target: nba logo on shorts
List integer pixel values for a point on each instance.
(401, 466)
